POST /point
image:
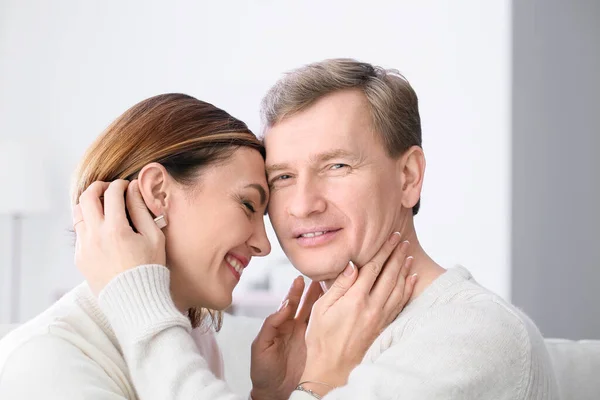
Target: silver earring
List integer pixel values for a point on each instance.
(160, 221)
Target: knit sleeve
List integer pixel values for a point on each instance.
(475, 351)
(48, 367)
(163, 359)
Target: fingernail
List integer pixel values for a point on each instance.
(413, 278)
(349, 269)
(283, 305)
(324, 287)
(395, 238)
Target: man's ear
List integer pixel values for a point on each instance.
(412, 171)
(155, 183)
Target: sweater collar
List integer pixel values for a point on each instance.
(449, 278)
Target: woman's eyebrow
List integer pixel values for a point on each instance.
(261, 191)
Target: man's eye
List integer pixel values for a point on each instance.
(338, 166)
(282, 177)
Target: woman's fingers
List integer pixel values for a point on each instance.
(77, 218)
(138, 211)
(114, 202)
(308, 301)
(390, 277)
(409, 287)
(401, 293)
(295, 294)
(290, 303)
(342, 284)
(91, 205)
(286, 312)
(371, 270)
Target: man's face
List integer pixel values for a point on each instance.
(335, 192)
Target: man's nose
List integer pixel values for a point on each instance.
(306, 200)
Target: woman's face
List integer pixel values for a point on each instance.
(214, 228)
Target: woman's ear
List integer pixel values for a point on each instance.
(155, 182)
(412, 171)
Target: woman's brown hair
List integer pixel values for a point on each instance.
(180, 132)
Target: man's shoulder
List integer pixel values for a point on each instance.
(463, 333)
(468, 322)
(455, 304)
(467, 301)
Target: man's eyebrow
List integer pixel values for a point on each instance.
(316, 159)
(261, 192)
(276, 167)
(330, 155)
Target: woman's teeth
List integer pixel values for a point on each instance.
(235, 263)
(313, 234)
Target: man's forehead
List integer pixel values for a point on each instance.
(287, 140)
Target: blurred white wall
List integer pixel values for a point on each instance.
(68, 68)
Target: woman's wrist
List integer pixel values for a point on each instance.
(320, 381)
(315, 388)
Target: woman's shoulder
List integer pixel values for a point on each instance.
(61, 370)
(37, 327)
(65, 348)
(64, 323)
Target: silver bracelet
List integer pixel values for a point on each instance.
(301, 388)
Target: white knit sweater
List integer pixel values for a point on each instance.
(71, 352)
(455, 341)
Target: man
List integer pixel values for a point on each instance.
(345, 167)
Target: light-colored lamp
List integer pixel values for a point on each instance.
(24, 192)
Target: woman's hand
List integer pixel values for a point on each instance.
(106, 243)
(279, 350)
(347, 319)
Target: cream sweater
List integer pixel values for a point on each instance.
(455, 341)
(71, 352)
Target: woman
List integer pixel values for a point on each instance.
(197, 173)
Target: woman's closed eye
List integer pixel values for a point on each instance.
(249, 206)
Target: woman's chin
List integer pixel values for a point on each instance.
(220, 303)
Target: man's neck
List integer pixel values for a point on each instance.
(426, 269)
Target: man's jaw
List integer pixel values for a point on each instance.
(327, 279)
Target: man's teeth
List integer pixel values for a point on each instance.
(234, 262)
(313, 234)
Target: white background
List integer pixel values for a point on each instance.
(68, 68)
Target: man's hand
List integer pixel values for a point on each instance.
(279, 350)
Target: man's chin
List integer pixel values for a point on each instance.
(327, 279)
(319, 272)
